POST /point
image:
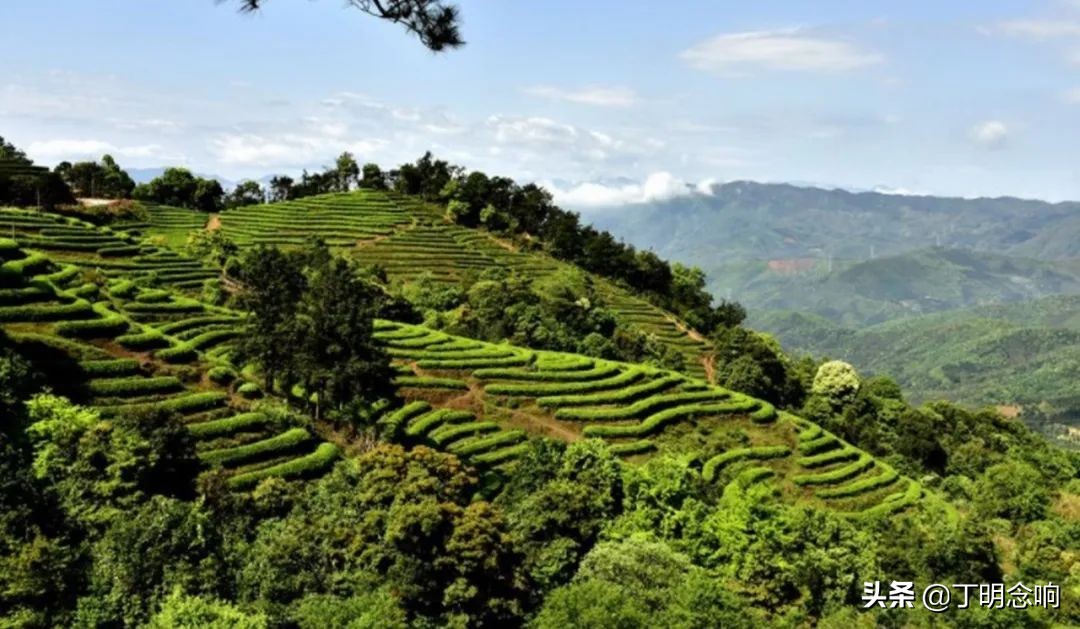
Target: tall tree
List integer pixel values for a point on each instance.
(273, 285)
(348, 172)
(281, 188)
(342, 361)
(373, 177)
(434, 22)
(247, 192)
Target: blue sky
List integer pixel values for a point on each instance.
(607, 101)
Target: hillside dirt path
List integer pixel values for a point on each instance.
(549, 425)
(691, 332)
(709, 363)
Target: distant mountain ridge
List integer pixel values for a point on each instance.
(744, 220)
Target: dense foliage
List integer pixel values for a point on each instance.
(178, 187)
(22, 183)
(310, 325)
(104, 180)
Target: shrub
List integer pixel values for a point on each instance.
(595, 373)
(819, 444)
(183, 404)
(425, 423)
(718, 462)
(626, 377)
(147, 339)
(861, 486)
(811, 432)
(616, 396)
(165, 307)
(320, 459)
(249, 391)
(633, 447)
(153, 296)
(111, 367)
(472, 363)
(892, 504)
(106, 327)
(213, 337)
(836, 381)
(131, 386)
(182, 353)
(448, 433)
(501, 455)
(46, 312)
(277, 444)
(764, 414)
(753, 475)
(835, 476)
(427, 382)
(829, 457)
(658, 420)
(221, 375)
(482, 444)
(183, 325)
(122, 288)
(394, 421)
(27, 294)
(642, 408)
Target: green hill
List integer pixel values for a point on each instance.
(743, 221)
(411, 240)
(919, 282)
(1025, 354)
(120, 347)
(501, 456)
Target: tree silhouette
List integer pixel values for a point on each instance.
(436, 23)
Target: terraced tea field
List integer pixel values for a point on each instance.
(409, 240)
(170, 224)
(120, 348)
(341, 220)
(493, 397)
(113, 252)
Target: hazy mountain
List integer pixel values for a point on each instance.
(1025, 354)
(743, 221)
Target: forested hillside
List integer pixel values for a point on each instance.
(916, 287)
(585, 462)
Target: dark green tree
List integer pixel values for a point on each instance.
(434, 22)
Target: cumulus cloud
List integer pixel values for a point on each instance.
(595, 95)
(49, 151)
(658, 186)
(705, 186)
(787, 49)
(990, 133)
(287, 149)
(1037, 29)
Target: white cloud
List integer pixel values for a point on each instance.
(1038, 29)
(50, 151)
(658, 186)
(594, 95)
(788, 49)
(990, 133)
(252, 150)
(705, 186)
(533, 130)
